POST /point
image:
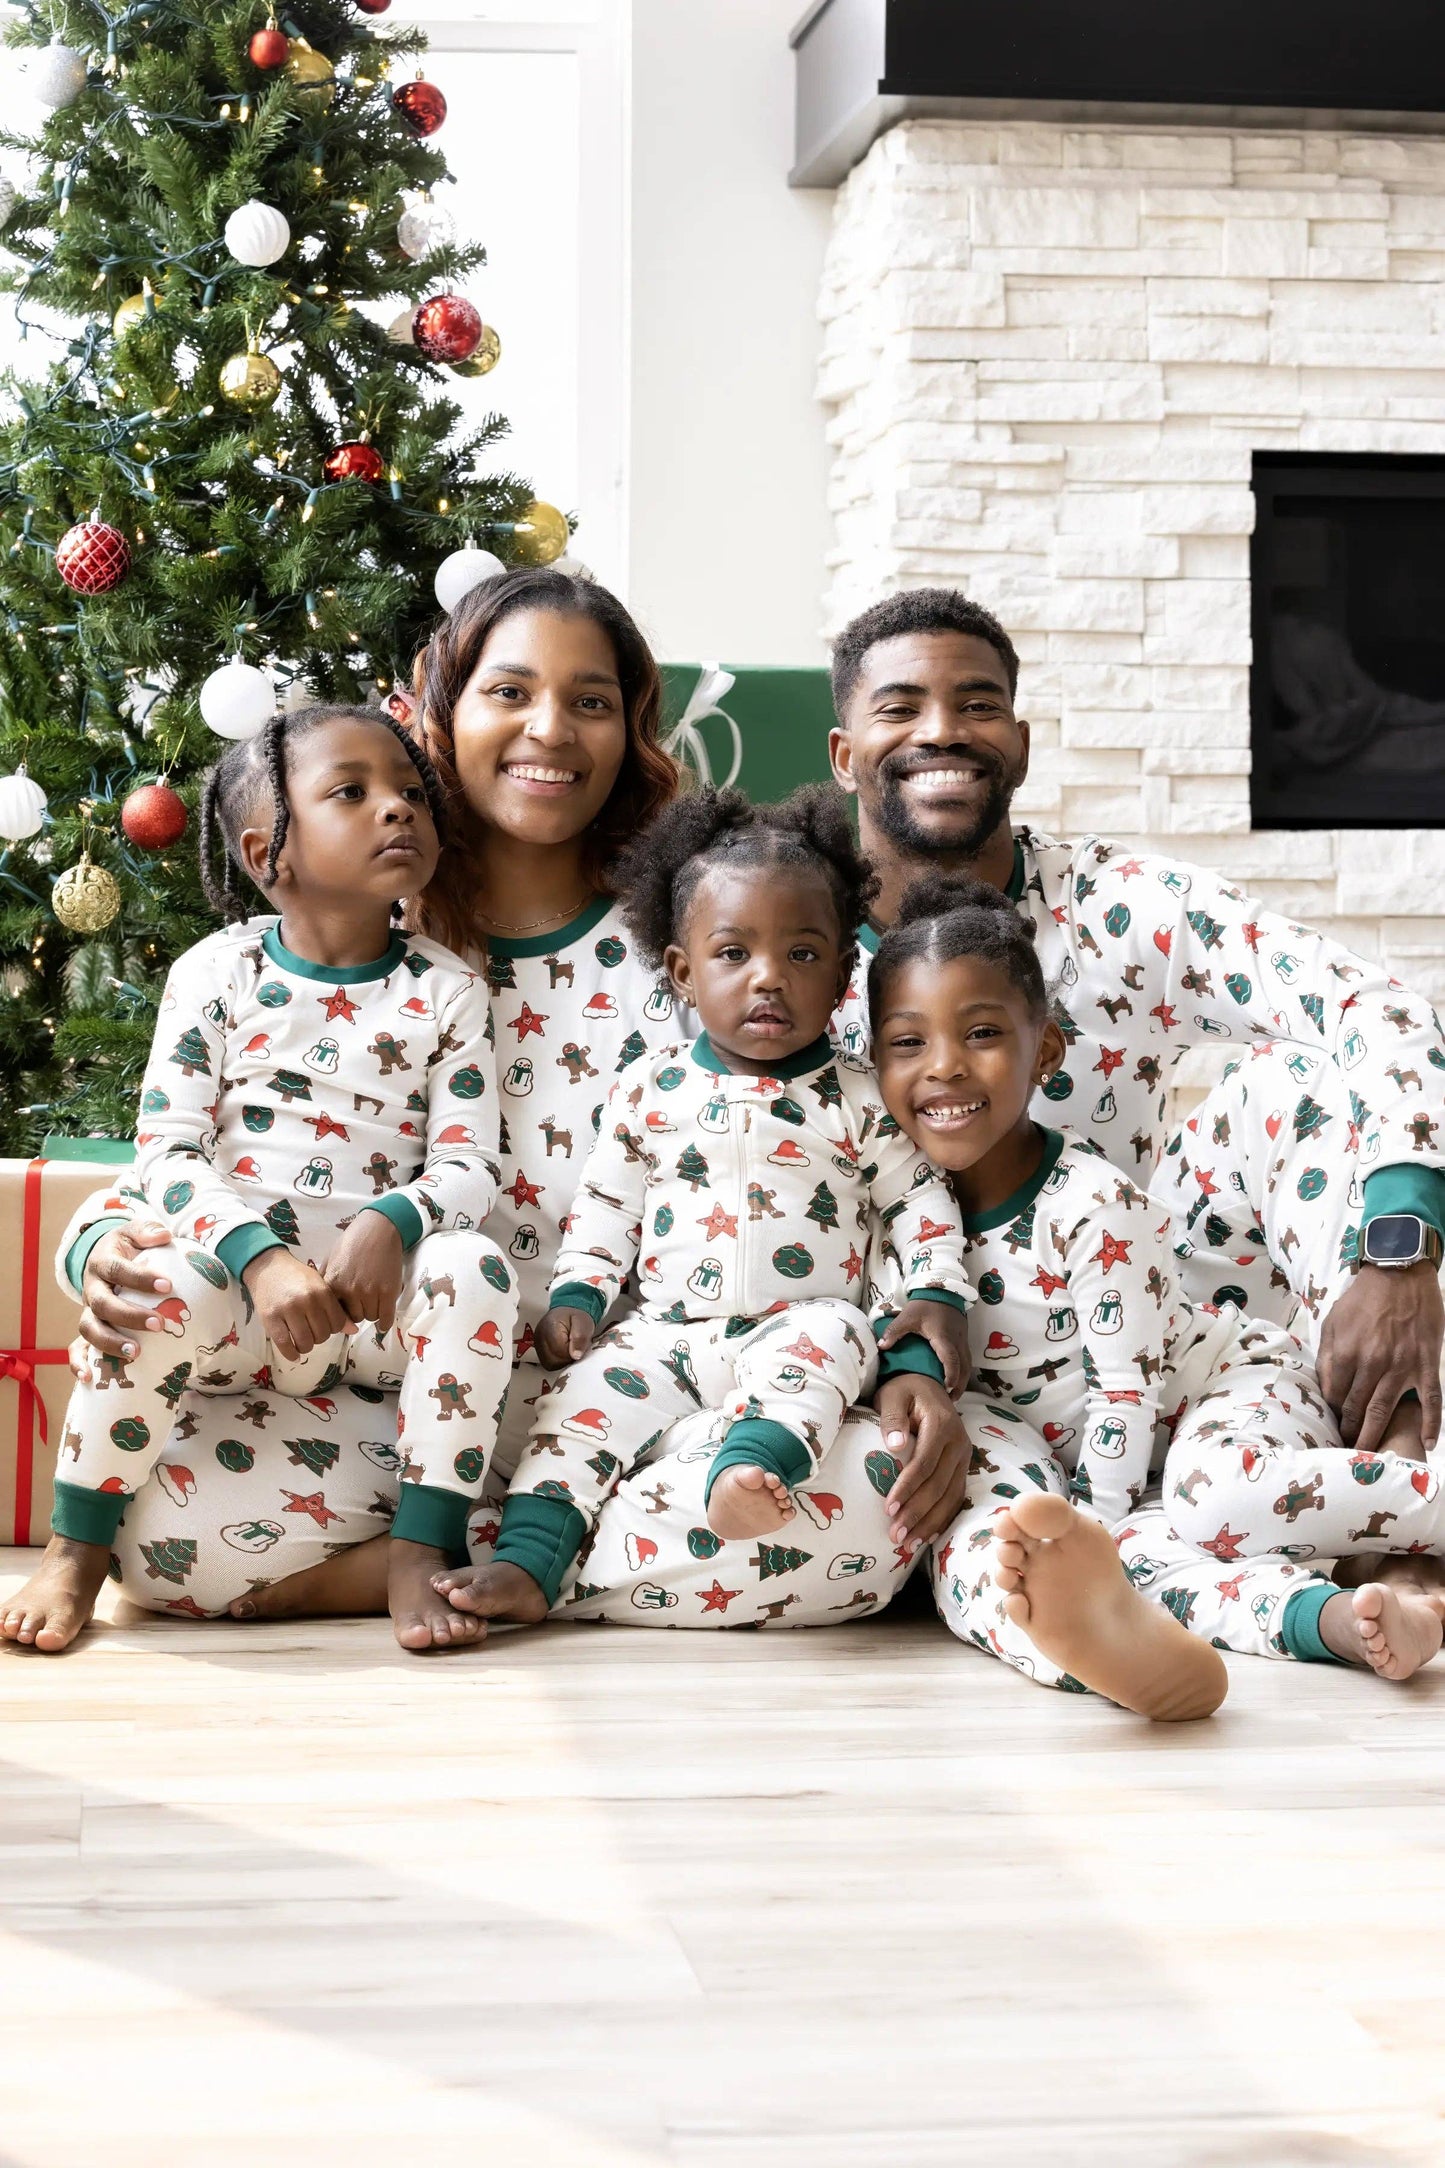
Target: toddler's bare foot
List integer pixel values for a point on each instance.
(58, 1600)
(497, 1590)
(1393, 1628)
(349, 1584)
(1065, 1586)
(420, 1615)
(748, 1501)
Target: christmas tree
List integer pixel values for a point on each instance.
(232, 467)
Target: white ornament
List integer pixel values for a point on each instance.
(257, 235)
(22, 807)
(7, 198)
(237, 700)
(56, 75)
(423, 229)
(458, 574)
(399, 330)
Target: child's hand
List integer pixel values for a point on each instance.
(563, 1336)
(365, 1268)
(924, 1431)
(946, 1331)
(296, 1307)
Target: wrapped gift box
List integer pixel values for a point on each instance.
(37, 1323)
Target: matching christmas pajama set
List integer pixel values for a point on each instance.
(751, 1208)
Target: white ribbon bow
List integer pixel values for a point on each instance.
(685, 742)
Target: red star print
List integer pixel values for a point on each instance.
(338, 1005)
(1122, 1400)
(1229, 1590)
(766, 1087)
(1060, 913)
(325, 1127)
(1111, 1252)
(944, 1556)
(808, 1351)
(1048, 1283)
(853, 1264)
(1110, 1059)
(529, 1020)
(1224, 1546)
(1207, 1184)
(717, 1598)
(524, 1192)
(1251, 937)
(1130, 866)
(315, 1505)
(718, 1223)
(1168, 1020)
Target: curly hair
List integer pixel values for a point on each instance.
(646, 781)
(661, 872)
(251, 777)
(916, 609)
(947, 915)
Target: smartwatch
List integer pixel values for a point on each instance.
(1398, 1239)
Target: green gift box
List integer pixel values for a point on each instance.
(767, 729)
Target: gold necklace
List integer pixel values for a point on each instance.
(554, 921)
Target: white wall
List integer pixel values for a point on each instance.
(728, 524)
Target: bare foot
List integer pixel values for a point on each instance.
(1065, 1586)
(1392, 1628)
(58, 1600)
(497, 1590)
(421, 1617)
(748, 1502)
(349, 1584)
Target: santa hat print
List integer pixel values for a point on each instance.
(599, 1006)
(641, 1551)
(246, 1169)
(487, 1339)
(417, 1010)
(259, 1048)
(789, 1154)
(999, 1345)
(589, 1423)
(456, 1133)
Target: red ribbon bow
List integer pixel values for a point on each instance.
(20, 1363)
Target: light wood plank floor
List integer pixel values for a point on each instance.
(792, 1900)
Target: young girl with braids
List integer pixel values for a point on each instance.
(318, 1131)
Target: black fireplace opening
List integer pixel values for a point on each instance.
(1347, 688)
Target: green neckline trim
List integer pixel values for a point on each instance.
(549, 944)
(332, 974)
(982, 1223)
(807, 1058)
(869, 937)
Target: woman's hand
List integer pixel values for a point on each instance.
(924, 1431)
(116, 1267)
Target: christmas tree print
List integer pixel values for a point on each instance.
(281, 1219)
(317, 1454)
(169, 1560)
(823, 1210)
(776, 1558)
(190, 1054)
(692, 1169)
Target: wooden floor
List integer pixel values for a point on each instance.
(606, 1898)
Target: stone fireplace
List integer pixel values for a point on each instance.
(1072, 368)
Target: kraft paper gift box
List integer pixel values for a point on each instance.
(37, 1322)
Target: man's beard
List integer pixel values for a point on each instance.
(895, 816)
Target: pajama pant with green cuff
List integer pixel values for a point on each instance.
(447, 1356)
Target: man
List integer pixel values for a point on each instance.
(1309, 1185)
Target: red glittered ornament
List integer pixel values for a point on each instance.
(153, 817)
(354, 463)
(92, 558)
(447, 328)
(373, 7)
(421, 105)
(270, 48)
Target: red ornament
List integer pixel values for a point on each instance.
(153, 817)
(447, 328)
(373, 7)
(421, 105)
(92, 558)
(354, 463)
(271, 48)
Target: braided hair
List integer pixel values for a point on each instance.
(947, 915)
(659, 873)
(252, 775)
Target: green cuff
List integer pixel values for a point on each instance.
(939, 1294)
(87, 1516)
(757, 1443)
(403, 1215)
(1403, 1188)
(911, 1353)
(542, 1536)
(1299, 1626)
(577, 1295)
(425, 1514)
(237, 1249)
(78, 1255)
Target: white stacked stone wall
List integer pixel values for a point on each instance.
(1049, 354)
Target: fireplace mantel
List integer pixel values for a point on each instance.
(863, 65)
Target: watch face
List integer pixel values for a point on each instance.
(1396, 1239)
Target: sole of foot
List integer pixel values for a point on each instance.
(421, 1618)
(748, 1502)
(498, 1591)
(58, 1601)
(1399, 1628)
(1064, 1585)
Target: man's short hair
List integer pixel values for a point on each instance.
(917, 609)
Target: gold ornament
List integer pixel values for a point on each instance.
(486, 357)
(86, 898)
(540, 535)
(129, 314)
(251, 379)
(310, 71)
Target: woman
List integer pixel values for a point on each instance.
(539, 704)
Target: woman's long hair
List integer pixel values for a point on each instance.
(646, 780)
